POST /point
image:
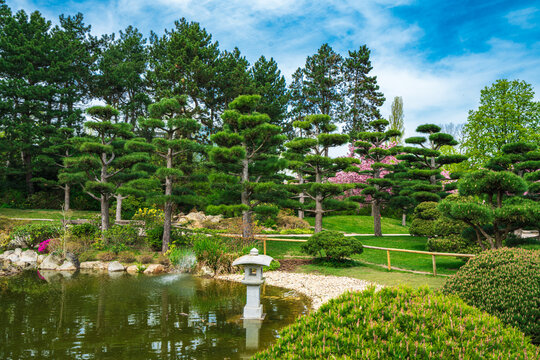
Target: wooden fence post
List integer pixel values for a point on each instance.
(434, 265)
(264, 245)
(388, 258)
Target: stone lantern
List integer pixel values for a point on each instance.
(253, 278)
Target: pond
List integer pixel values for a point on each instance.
(174, 316)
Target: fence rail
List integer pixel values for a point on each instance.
(388, 250)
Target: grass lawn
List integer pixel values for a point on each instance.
(360, 224)
(45, 214)
(417, 262)
(377, 275)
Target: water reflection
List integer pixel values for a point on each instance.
(167, 317)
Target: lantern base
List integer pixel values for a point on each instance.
(253, 313)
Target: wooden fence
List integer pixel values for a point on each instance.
(388, 250)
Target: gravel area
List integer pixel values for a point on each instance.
(319, 288)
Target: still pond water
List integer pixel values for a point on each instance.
(175, 316)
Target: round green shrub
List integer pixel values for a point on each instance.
(505, 283)
(424, 218)
(83, 231)
(452, 244)
(121, 234)
(399, 323)
(332, 245)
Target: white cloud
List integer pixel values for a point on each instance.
(524, 18)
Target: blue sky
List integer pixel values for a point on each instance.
(437, 55)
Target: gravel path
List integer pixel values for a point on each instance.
(319, 288)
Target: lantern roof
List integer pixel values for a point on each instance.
(253, 259)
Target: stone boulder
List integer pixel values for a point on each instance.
(18, 242)
(67, 266)
(132, 269)
(29, 256)
(154, 269)
(51, 262)
(18, 251)
(89, 265)
(74, 259)
(13, 258)
(40, 258)
(115, 266)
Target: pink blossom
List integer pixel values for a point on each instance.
(44, 245)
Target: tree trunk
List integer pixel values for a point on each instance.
(432, 178)
(119, 200)
(318, 205)
(404, 219)
(27, 160)
(377, 218)
(318, 213)
(247, 226)
(104, 202)
(67, 197)
(168, 206)
(302, 196)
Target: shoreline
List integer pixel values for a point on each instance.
(318, 288)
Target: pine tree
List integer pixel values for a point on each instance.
(120, 80)
(425, 162)
(371, 146)
(101, 160)
(247, 150)
(271, 85)
(361, 95)
(175, 147)
(307, 156)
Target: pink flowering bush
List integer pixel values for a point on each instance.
(44, 245)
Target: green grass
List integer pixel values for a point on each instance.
(377, 275)
(360, 224)
(45, 214)
(417, 262)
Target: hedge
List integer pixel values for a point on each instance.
(399, 323)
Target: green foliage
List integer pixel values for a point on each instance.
(425, 216)
(83, 231)
(504, 283)
(332, 245)
(399, 323)
(453, 244)
(507, 113)
(226, 210)
(88, 255)
(121, 235)
(212, 251)
(274, 265)
(36, 233)
(126, 257)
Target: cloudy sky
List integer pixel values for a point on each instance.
(437, 55)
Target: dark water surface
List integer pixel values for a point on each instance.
(174, 316)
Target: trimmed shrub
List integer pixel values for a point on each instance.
(399, 323)
(289, 222)
(84, 231)
(332, 245)
(274, 265)
(505, 283)
(36, 232)
(452, 244)
(425, 216)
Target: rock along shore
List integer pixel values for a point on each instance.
(319, 288)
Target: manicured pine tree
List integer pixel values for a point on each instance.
(62, 146)
(307, 155)
(402, 189)
(371, 146)
(522, 158)
(102, 158)
(247, 150)
(175, 146)
(426, 161)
